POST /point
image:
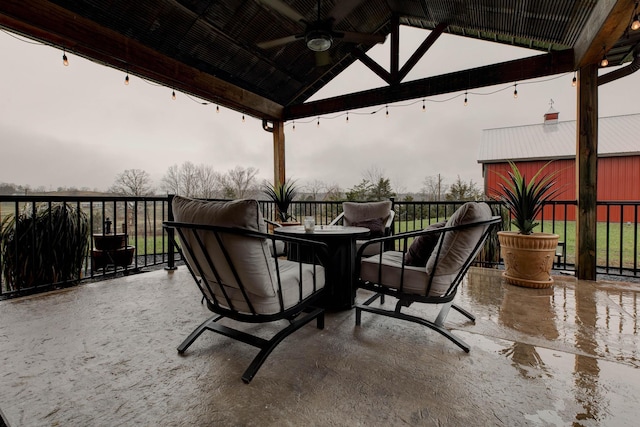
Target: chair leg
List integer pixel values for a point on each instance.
(464, 312)
(265, 346)
(367, 302)
(206, 325)
(432, 325)
(271, 344)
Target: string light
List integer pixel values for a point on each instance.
(635, 25)
(217, 108)
(65, 61)
(424, 107)
(173, 95)
(126, 79)
(294, 126)
(347, 120)
(515, 91)
(604, 61)
(242, 117)
(466, 94)
(574, 81)
(387, 111)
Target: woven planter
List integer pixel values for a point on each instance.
(528, 259)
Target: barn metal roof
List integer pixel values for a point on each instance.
(210, 48)
(557, 141)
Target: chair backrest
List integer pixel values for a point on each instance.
(456, 249)
(235, 260)
(364, 213)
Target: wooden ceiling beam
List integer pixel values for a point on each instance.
(53, 25)
(606, 25)
(505, 72)
(421, 50)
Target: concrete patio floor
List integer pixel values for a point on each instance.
(104, 354)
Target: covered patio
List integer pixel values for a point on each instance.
(105, 354)
(267, 58)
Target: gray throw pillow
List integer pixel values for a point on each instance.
(375, 226)
(422, 246)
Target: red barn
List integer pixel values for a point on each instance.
(530, 147)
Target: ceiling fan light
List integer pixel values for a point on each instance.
(319, 41)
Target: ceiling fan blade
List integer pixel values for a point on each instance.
(363, 38)
(284, 9)
(342, 9)
(278, 42)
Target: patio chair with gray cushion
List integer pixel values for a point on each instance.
(450, 250)
(376, 216)
(225, 246)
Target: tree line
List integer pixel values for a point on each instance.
(202, 181)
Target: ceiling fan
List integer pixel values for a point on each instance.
(319, 35)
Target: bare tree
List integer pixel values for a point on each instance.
(132, 182)
(433, 188)
(171, 180)
(333, 192)
(193, 181)
(239, 183)
(209, 182)
(315, 188)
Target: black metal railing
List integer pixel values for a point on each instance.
(140, 219)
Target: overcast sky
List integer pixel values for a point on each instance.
(80, 125)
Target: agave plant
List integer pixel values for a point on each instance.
(43, 247)
(282, 196)
(524, 199)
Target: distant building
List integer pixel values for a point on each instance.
(530, 147)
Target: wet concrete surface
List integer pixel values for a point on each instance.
(104, 354)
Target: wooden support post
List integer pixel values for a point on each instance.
(279, 170)
(586, 172)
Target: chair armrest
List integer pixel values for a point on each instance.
(389, 223)
(273, 223)
(337, 219)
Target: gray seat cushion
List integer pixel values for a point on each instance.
(251, 256)
(455, 250)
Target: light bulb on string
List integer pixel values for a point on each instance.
(424, 108)
(173, 95)
(347, 119)
(65, 61)
(242, 117)
(126, 79)
(574, 81)
(515, 91)
(635, 25)
(293, 128)
(386, 107)
(604, 62)
(466, 101)
(217, 108)
(318, 122)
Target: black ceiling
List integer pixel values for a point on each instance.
(210, 48)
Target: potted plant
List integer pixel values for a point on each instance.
(282, 196)
(47, 246)
(528, 256)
